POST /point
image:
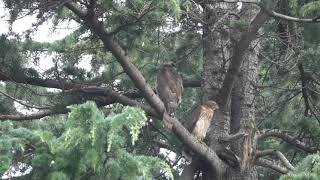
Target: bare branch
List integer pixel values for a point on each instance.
(272, 165)
(116, 97)
(201, 149)
(277, 153)
(288, 138)
(276, 14)
(21, 102)
(36, 115)
(233, 137)
(51, 83)
(289, 18)
(112, 97)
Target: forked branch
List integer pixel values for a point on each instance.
(238, 56)
(272, 165)
(276, 153)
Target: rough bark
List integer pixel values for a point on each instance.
(216, 55)
(217, 52)
(243, 105)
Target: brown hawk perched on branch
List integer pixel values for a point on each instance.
(169, 87)
(199, 119)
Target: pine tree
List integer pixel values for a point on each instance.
(102, 120)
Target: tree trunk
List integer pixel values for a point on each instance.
(217, 52)
(243, 105)
(243, 115)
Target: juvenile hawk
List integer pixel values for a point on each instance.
(169, 87)
(199, 119)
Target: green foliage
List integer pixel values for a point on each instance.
(294, 6)
(5, 163)
(13, 143)
(10, 58)
(87, 145)
(311, 9)
(123, 166)
(91, 147)
(130, 118)
(6, 105)
(241, 24)
(280, 101)
(58, 176)
(309, 168)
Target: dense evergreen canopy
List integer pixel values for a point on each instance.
(259, 60)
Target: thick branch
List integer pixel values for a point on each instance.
(81, 87)
(277, 153)
(245, 41)
(270, 164)
(120, 54)
(201, 149)
(237, 58)
(50, 83)
(288, 138)
(111, 97)
(189, 82)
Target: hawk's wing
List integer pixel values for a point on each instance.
(165, 93)
(169, 88)
(190, 119)
(201, 127)
(175, 84)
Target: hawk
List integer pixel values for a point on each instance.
(169, 87)
(199, 119)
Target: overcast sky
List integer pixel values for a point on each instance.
(44, 33)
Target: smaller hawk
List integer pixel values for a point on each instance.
(199, 119)
(169, 87)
